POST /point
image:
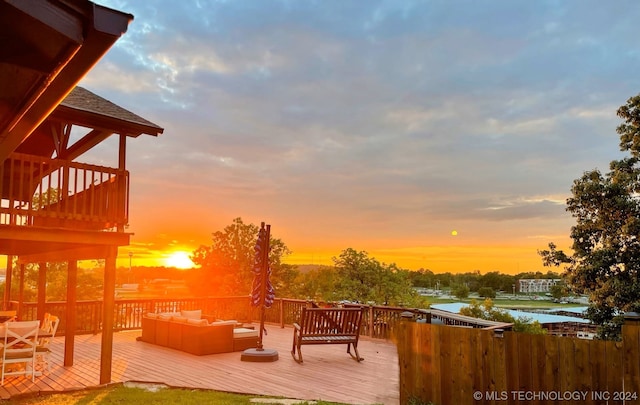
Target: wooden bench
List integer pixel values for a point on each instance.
(319, 326)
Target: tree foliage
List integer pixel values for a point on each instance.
(486, 310)
(90, 282)
(363, 279)
(226, 266)
(460, 291)
(486, 292)
(605, 263)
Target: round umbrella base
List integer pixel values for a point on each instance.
(259, 355)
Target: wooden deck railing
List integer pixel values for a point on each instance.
(377, 321)
(56, 193)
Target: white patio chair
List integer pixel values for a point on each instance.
(43, 350)
(19, 350)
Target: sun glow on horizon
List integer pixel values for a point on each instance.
(179, 260)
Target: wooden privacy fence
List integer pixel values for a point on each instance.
(452, 365)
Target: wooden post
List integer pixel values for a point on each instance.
(70, 326)
(108, 309)
(7, 282)
(42, 290)
(370, 331)
(281, 313)
(20, 291)
(122, 188)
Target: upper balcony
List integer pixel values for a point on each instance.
(56, 193)
(53, 208)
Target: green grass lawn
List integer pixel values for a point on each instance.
(128, 394)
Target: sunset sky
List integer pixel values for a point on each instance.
(377, 125)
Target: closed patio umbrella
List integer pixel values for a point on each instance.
(262, 294)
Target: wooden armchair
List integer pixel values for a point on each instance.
(20, 341)
(50, 325)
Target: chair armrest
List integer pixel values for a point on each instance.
(298, 328)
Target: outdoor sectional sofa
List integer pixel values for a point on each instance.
(188, 331)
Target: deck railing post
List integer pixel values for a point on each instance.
(281, 313)
(95, 318)
(370, 321)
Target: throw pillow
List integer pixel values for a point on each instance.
(195, 314)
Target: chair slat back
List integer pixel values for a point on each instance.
(330, 321)
(21, 336)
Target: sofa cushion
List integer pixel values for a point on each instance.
(229, 322)
(239, 333)
(179, 319)
(195, 314)
(152, 315)
(170, 314)
(244, 338)
(165, 317)
(200, 322)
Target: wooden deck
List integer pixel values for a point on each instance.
(328, 372)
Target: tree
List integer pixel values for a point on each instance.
(318, 284)
(486, 292)
(605, 263)
(486, 310)
(497, 281)
(460, 291)
(423, 278)
(56, 283)
(226, 266)
(364, 279)
(558, 291)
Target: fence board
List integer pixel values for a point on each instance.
(426, 367)
(614, 359)
(598, 366)
(434, 380)
(567, 360)
(500, 364)
(464, 372)
(631, 339)
(486, 361)
(475, 369)
(511, 358)
(552, 364)
(446, 363)
(537, 367)
(582, 368)
(523, 341)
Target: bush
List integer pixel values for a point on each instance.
(460, 291)
(486, 292)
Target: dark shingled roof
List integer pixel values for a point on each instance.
(82, 99)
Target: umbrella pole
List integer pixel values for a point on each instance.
(265, 267)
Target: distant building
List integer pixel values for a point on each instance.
(527, 285)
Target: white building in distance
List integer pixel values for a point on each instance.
(527, 285)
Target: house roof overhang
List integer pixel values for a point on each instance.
(47, 48)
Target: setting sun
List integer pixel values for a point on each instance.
(180, 260)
